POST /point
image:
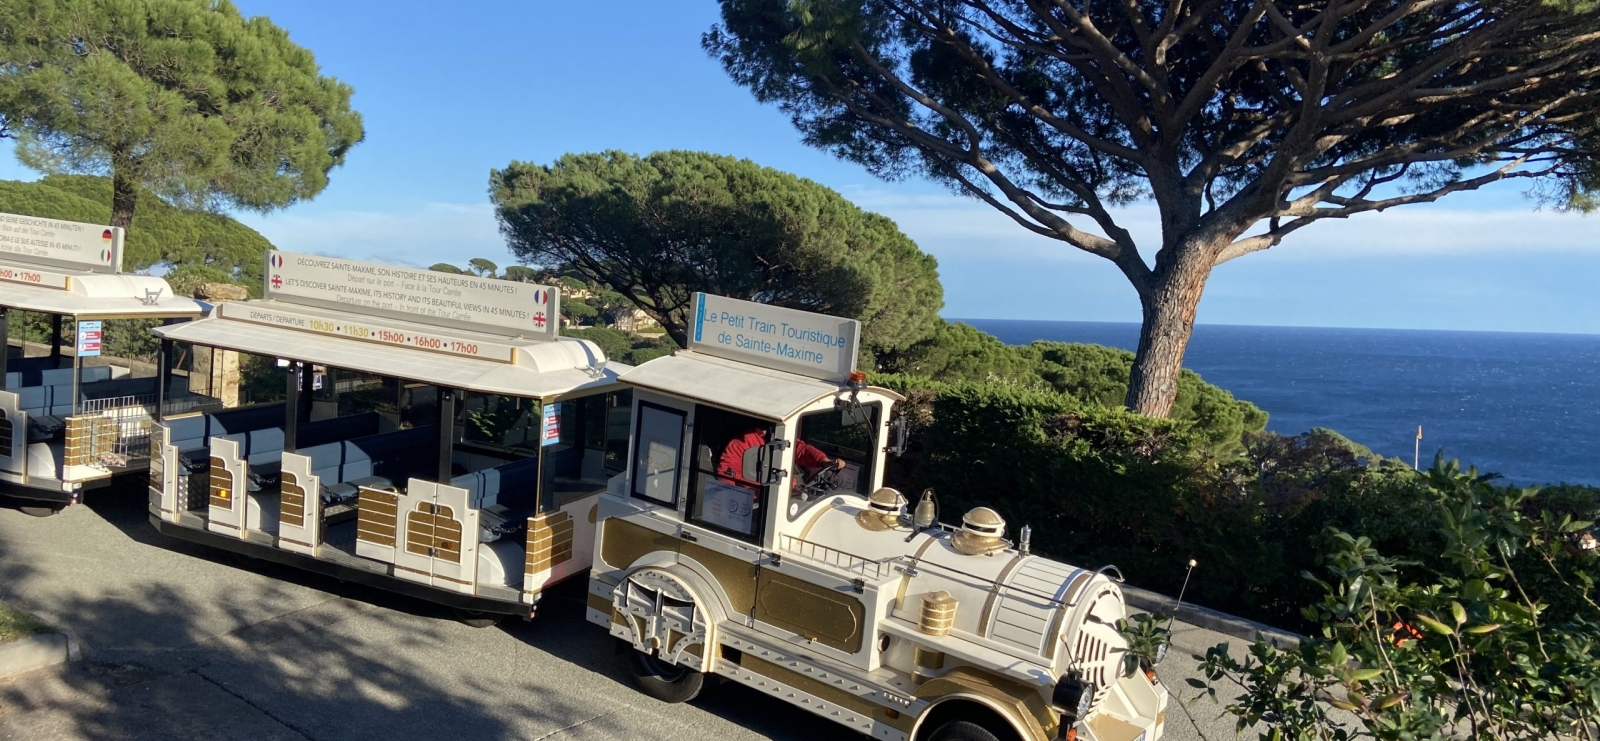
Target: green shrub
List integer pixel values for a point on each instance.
(1458, 637)
(614, 343)
(646, 349)
(1099, 374)
(1093, 374)
(1100, 485)
(960, 352)
(621, 347)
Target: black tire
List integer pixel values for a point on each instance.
(40, 510)
(663, 681)
(962, 730)
(476, 619)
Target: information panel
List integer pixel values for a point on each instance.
(501, 307)
(89, 338)
(70, 244)
(815, 345)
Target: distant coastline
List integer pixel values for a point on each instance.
(1524, 405)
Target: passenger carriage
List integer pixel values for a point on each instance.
(720, 554)
(73, 417)
(422, 432)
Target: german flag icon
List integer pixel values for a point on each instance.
(106, 236)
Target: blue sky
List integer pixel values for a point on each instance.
(451, 90)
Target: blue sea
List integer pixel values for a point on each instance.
(1526, 406)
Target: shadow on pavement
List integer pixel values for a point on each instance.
(193, 644)
(561, 630)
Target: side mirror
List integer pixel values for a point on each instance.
(899, 432)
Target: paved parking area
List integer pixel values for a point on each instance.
(182, 643)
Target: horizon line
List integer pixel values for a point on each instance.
(1559, 333)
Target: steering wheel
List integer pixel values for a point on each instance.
(820, 483)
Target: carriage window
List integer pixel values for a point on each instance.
(510, 423)
(579, 454)
(731, 458)
(657, 452)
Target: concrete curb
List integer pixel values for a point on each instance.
(36, 652)
(1205, 617)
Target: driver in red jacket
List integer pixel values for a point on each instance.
(807, 457)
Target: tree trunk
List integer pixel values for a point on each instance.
(124, 196)
(1169, 307)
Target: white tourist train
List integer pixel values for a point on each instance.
(72, 416)
(432, 434)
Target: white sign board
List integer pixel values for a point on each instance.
(501, 307)
(69, 244)
(355, 327)
(815, 345)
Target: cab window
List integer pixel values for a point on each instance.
(732, 459)
(836, 451)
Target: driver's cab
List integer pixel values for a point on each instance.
(751, 469)
(739, 446)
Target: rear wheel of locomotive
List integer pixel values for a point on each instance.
(664, 681)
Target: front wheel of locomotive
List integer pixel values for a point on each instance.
(664, 681)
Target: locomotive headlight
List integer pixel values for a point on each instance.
(1073, 697)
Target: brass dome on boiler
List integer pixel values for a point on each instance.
(982, 532)
(883, 511)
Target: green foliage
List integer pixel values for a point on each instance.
(223, 249)
(960, 352)
(1099, 374)
(187, 98)
(621, 347)
(612, 342)
(484, 267)
(657, 228)
(130, 338)
(1102, 485)
(1460, 648)
(646, 349)
(1093, 374)
(1241, 122)
(520, 274)
(444, 267)
(186, 279)
(577, 311)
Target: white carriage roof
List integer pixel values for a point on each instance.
(414, 351)
(762, 392)
(88, 295)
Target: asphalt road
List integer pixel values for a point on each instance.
(183, 643)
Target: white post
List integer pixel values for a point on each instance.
(1416, 455)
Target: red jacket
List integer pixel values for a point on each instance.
(732, 461)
